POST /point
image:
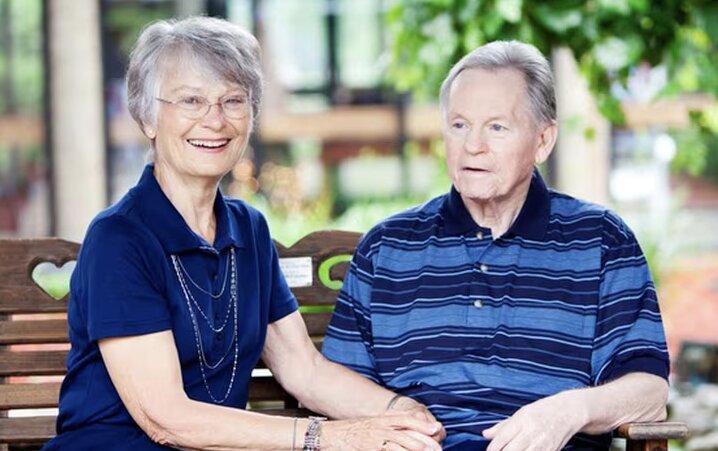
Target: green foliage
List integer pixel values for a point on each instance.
(21, 58)
(697, 153)
(607, 37)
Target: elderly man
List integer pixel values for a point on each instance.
(524, 318)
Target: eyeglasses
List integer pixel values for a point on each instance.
(195, 107)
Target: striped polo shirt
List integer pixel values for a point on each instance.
(474, 327)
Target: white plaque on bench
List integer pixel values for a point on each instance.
(297, 271)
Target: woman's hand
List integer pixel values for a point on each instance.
(395, 431)
(406, 404)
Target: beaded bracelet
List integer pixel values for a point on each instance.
(313, 434)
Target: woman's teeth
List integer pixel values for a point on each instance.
(208, 144)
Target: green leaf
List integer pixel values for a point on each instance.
(557, 20)
(473, 38)
(493, 21)
(510, 10)
(707, 19)
(619, 7)
(639, 6)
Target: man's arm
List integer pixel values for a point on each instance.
(549, 423)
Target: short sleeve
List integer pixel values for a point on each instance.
(281, 299)
(349, 339)
(120, 287)
(629, 331)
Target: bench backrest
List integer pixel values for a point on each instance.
(33, 327)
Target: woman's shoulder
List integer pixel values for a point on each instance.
(118, 226)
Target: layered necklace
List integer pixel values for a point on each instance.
(192, 305)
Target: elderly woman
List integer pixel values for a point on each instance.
(177, 290)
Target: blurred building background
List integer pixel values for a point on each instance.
(339, 146)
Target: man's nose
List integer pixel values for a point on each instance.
(475, 142)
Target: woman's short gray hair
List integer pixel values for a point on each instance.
(222, 48)
(523, 57)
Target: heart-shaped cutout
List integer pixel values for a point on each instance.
(52, 279)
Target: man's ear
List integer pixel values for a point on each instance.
(546, 142)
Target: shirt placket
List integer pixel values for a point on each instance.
(478, 246)
(216, 306)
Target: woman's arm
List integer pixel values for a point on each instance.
(145, 371)
(324, 386)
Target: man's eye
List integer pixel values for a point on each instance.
(458, 125)
(497, 127)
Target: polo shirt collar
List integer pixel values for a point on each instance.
(531, 223)
(170, 227)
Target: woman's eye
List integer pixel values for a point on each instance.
(235, 101)
(191, 100)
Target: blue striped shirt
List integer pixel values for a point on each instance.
(433, 307)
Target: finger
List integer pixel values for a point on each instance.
(440, 436)
(414, 441)
(492, 431)
(391, 446)
(413, 423)
(429, 442)
(500, 437)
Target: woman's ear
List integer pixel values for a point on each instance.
(546, 142)
(150, 132)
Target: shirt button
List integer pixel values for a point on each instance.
(214, 277)
(478, 304)
(220, 336)
(484, 268)
(480, 235)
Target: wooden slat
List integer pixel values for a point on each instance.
(338, 271)
(19, 293)
(266, 389)
(320, 246)
(27, 430)
(30, 332)
(654, 430)
(32, 363)
(300, 412)
(26, 299)
(29, 396)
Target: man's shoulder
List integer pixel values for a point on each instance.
(567, 206)
(569, 211)
(419, 219)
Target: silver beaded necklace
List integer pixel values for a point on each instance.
(176, 262)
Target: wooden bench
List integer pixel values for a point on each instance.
(34, 341)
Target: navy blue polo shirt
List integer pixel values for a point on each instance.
(125, 284)
(475, 327)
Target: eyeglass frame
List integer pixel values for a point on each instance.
(207, 105)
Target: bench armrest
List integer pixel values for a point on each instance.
(653, 431)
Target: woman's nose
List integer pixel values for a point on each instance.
(214, 117)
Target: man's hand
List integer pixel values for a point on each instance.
(406, 404)
(545, 425)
